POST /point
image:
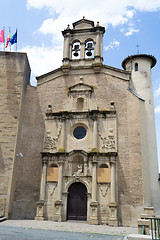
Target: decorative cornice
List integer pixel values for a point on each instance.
(48, 155)
(67, 115)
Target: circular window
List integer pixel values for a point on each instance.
(79, 132)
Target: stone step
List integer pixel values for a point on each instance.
(2, 218)
(139, 237)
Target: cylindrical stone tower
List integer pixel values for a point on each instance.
(141, 83)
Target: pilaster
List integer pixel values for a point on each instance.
(94, 205)
(95, 133)
(40, 204)
(113, 221)
(63, 135)
(58, 203)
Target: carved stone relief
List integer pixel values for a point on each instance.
(51, 188)
(49, 141)
(108, 143)
(103, 189)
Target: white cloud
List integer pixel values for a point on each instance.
(131, 30)
(43, 59)
(61, 13)
(108, 11)
(157, 109)
(142, 5)
(157, 92)
(112, 45)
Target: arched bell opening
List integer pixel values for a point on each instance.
(76, 50)
(89, 49)
(77, 202)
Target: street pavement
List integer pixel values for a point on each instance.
(70, 230)
(15, 233)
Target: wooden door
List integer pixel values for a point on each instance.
(77, 202)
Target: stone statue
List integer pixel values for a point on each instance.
(79, 171)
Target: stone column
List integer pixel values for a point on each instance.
(113, 180)
(94, 205)
(85, 167)
(94, 179)
(82, 50)
(97, 52)
(58, 203)
(40, 204)
(60, 180)
(101, 45)
(63, 140)
(43, 180)
(113, 207)
(66, 47)
(95, 133)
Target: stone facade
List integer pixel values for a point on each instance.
(80, 138)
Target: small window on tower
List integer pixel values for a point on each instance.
(136, 67)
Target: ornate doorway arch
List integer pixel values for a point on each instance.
(77, 202)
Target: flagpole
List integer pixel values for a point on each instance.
(16, 42)
(4, 37)
(10, 33)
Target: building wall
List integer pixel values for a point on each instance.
(141, 83)
(29, 165)
(14, 77)
(109, 85)
(130, 182)
(22, 124)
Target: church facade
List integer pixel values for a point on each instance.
(84, 138)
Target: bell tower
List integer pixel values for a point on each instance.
(83, 44)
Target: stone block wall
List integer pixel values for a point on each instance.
(30, 144)
(109, 85)
(14, 77)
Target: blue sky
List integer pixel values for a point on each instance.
(127, 22)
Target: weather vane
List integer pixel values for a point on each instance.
(137, 46)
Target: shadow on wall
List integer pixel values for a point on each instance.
(29, 166)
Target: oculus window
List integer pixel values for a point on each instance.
(79, 132)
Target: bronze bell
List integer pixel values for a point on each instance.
(75, 54)
(89, 48)
(76, 49)
(89, 53)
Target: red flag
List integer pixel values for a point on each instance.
(8, 39)
(2, 35)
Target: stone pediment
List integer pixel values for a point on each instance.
(81, 87)
(83, 23)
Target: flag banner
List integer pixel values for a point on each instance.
(8, 39)
(13, 38)
(2, 35)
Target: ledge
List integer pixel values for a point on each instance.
(138, 237)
